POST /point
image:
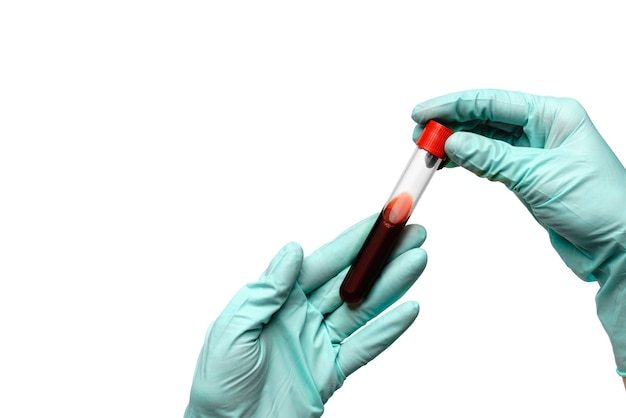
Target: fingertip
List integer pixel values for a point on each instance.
(293, 254)
(453, 142)
(417, 115)
(360, 229)
(421, 259)
(460, 145)
(414, 234)
(422, 233)
(293, 249)
(417, 262)
(417, 131)
(408, 267)
(286, 262)
(412, 308)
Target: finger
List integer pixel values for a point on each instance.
(502, 106)
(513, 134)
(253, 306)
(394, 281)
(326, 298)
(376, 337)
(539, 117)
(510, 134)
(330, 259)
(494, 160)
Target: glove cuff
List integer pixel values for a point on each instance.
(611, 308)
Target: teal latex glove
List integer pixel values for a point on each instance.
(552, 157)
(280, 348)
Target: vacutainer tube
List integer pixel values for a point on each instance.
(369, 262)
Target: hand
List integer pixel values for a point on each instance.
(552, 157)
(280, 348)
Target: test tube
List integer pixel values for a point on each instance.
(426, 159)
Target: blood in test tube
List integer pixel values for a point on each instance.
(374, 253)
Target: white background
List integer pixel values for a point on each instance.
(155, 155)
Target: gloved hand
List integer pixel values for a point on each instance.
(280, 348)
(552, 157)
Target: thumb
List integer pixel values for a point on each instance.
(491, 159)
(255, 304)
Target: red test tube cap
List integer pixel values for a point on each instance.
(433, 138)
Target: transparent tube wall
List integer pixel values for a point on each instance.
(413, 181)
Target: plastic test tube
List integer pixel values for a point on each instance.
(377, 247)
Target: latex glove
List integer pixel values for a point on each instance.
(552, 157)
(279, 348)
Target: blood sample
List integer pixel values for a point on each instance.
(371, 259)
